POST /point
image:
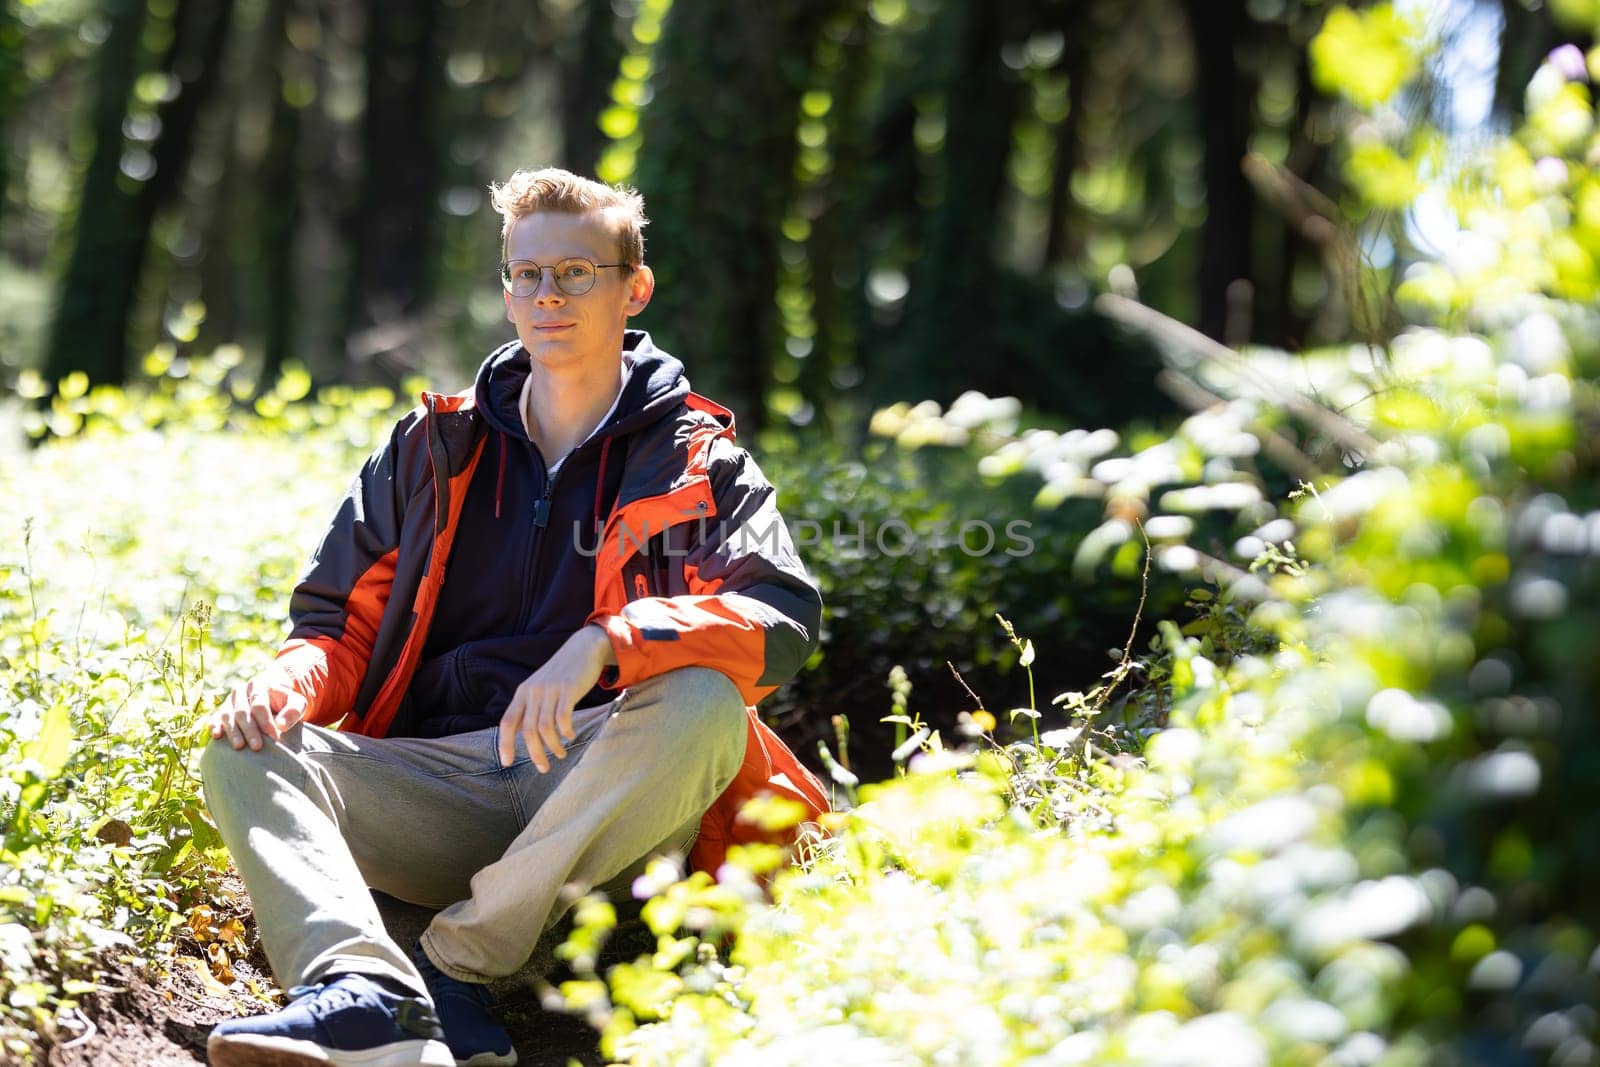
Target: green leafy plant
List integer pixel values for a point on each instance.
(147, 570)
(1354, 819)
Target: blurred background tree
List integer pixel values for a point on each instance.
(854, 201)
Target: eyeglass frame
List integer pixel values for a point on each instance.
(505, 274)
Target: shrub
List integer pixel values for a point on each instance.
(1367, 834)
(142, 574)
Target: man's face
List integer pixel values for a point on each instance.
(561, 330)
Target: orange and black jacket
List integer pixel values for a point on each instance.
(692, 565)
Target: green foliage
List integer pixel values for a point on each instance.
(1361, 825)
(210, 395)
(1366, 55)
(916, 550)
(1529, 210)
(1580, 16)
(141, 574)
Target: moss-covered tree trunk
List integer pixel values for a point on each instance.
(11, 89)
(717, 172)
(87, 333)
(116, 209)
(838, 213)
(950, 322)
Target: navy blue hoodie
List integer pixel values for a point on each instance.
(521, 575)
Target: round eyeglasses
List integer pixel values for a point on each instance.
(574, 275)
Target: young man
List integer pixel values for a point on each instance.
(539, 622)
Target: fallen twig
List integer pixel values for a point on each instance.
(1150, 321)
(1196, 397)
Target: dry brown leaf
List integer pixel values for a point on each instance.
(201, 924)
(221, 965)
(203, 972)
(231, 933)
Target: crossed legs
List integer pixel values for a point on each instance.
(317, 819)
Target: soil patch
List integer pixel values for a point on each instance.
(162, 1019)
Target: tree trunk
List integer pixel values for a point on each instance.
(1526, 37)
(1307, 157)
(278, 187)
(1061, 244)
(1225, 96)
(588, 72)
(87, 333)
(112, 234)
(950, 320)
(838, 212)
(12, 84)
(394, 218)
(717, 172)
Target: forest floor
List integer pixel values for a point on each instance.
(162, 1019)
(164, 1022)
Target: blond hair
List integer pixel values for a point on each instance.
(553, 189)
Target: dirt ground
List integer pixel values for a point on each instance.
(165, 1024)
(164, 1020)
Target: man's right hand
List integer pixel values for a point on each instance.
(255, 710)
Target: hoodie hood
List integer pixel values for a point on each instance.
(654, 384)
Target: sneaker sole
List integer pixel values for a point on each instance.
(490, 1059)
(253, 1050)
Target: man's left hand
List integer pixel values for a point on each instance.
(541, 708)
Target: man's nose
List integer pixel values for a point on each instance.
(548, 291)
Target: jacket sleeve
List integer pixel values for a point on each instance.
(752, 612)
(335, 609)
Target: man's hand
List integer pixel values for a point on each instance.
(541, 708)
(257, 709)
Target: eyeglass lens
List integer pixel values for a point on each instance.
(573, 276)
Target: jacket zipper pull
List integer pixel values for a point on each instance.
(541, 508)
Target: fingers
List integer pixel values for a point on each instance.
(542, 717)
(222, 718)
(255, 713)
(292, 711)
(241, 731)
(510, 723)
(231, 722)
(549, 733)
(564, 721)
(534, 734)
(540, 710)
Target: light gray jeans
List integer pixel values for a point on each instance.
(318, 819)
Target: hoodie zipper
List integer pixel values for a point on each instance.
(541, 507)
(541, 519)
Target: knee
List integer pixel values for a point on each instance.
(703, 689)
(216, 759)
(220, 765)
(699, 696)
(224, 768)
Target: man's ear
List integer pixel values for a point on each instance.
(510, 315)
(641, 287)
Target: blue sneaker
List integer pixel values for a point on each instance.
(351, 1021)
(475, 1036)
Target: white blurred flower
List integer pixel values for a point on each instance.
(1538, 345)
(1405, 718)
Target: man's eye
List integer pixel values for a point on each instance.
(526, 275)
(575, 270)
